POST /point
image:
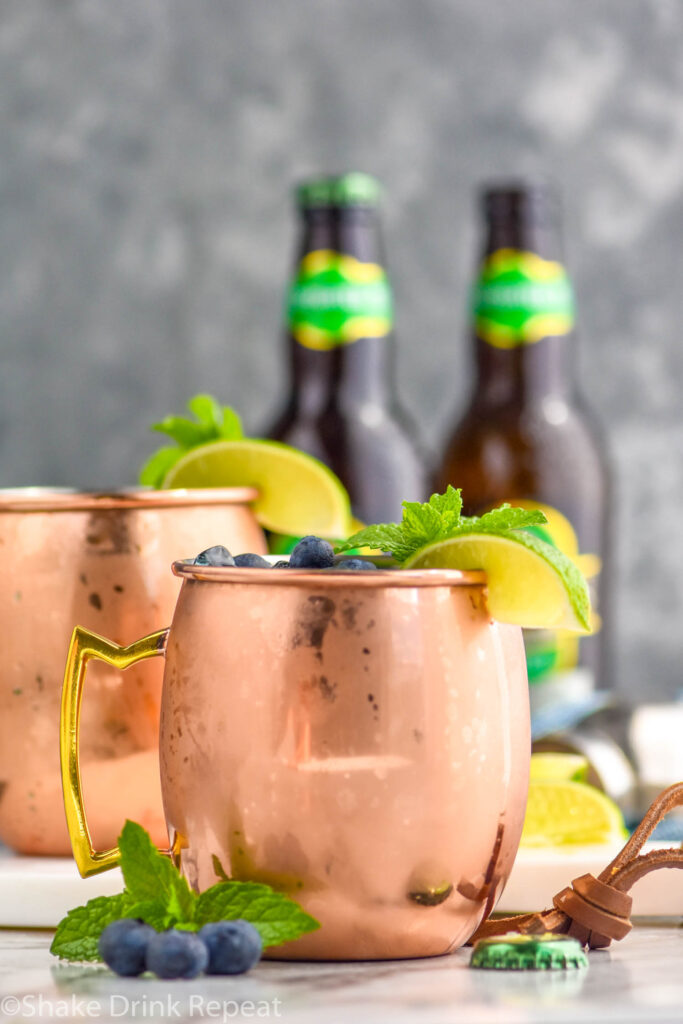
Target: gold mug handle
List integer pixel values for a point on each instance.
(85, 646)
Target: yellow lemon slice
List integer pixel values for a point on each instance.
(570, 813)
(553, 766)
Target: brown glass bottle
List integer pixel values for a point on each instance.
(342, 405)
(526, 435)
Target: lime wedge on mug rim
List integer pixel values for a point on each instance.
(297, 493)
(529, 583)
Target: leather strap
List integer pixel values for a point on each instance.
(597, 910)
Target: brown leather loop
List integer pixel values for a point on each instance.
(658, 809)
(590, 917)
(594, 940)
(597, 910)
(603, 896)
(577, 931)
(627, 876)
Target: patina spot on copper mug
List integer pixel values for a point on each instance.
(101, 560)
(359, 741)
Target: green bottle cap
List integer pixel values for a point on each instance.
(352, 189)
(513, 952)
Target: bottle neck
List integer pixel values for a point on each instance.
(527, 371)
(524, 375)
(358, 372)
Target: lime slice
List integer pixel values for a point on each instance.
(530, 583)
(569, 813)
(297, 493)
(553, 766)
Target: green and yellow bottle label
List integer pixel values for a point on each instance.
(336, 299)
(520, 298)
(552, 652)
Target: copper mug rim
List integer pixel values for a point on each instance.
(66, 499)
(186, 569)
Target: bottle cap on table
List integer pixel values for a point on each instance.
(513, 952)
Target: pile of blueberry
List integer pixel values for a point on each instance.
(131, 947)
(310, 553)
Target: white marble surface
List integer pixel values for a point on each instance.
(639, 979)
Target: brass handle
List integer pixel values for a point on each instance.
(84, 646)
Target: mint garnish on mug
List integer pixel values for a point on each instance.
(529, 582)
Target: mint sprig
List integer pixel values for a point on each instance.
(439, 519)
(159, 895)
(277, 918)
(212, 422)
(152, 879)
(78, 933)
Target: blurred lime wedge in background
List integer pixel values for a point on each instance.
(569, 813)
(558, 767)
(529, 583)
(297, 493)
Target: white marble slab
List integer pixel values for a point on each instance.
(538, 875)
(36, 892)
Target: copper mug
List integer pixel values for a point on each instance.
(103, 560)
(359, 741)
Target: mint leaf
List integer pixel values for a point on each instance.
(427, 522)
(213, 422)
(139, 863)
(438, 519)
(276, 917)
(384, 537)
(181, 900)
(152, 912)
(186, 433)
(78, 933)
(423, 523)
(449, 503)
(157, 466)
(149, 875)
(208, 411)
(504, 518)
(231, 425)
(420, 520)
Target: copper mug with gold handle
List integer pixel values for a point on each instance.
(101, 559)
(357, 740)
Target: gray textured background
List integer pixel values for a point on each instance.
(146, 151)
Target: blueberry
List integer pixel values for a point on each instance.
(355, 564)
(282, 564)
(176, 954)
(217, 555)
(234, 946)
(312, 553)
(123, 946)
(251, 561)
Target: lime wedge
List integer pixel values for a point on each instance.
(564, 813)
(297, 493)
(530, 583)
(554, 766)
